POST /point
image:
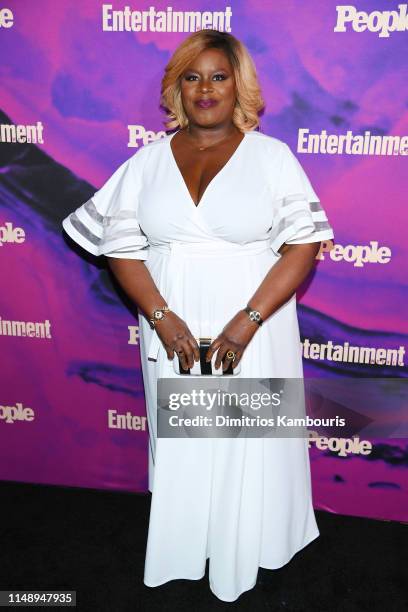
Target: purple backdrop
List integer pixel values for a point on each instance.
(86, 86)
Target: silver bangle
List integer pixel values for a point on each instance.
(254, 315)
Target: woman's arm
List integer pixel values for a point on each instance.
(136, 280)
(284, 277)
(277, 287)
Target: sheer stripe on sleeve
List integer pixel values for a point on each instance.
(299, 217)
(107, 223)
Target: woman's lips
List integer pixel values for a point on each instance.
(206, 103)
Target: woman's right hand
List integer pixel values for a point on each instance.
(176, 336)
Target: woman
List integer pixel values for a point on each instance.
(220, 224)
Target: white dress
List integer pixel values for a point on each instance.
(241, 502)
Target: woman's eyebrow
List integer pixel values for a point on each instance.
(213, 70)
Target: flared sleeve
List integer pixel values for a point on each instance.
(298, 217)
(107, 224)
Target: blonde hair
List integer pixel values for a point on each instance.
(249, 99)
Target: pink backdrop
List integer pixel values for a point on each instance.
(86, 92)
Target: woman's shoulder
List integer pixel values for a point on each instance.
(264, 151)
(157, 144)
(147, 151)
(262, 140)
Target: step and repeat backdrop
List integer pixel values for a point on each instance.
(80, 87)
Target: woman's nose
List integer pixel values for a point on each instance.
(206, 86)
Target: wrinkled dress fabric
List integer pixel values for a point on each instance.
(244, 503)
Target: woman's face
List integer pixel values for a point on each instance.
(208, 89)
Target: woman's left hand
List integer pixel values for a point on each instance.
(235, 336)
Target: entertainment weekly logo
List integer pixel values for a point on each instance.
(10, 133)
(167, 20)
(351, 144)
(347, 353)
(382, 22)
(26, 329)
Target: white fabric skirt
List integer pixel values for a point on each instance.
(244, 503)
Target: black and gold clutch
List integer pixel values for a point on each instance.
(202, 367)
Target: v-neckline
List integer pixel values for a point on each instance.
(227, 163)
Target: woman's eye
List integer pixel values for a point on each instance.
(190, 77)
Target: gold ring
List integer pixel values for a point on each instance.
(231, 355)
